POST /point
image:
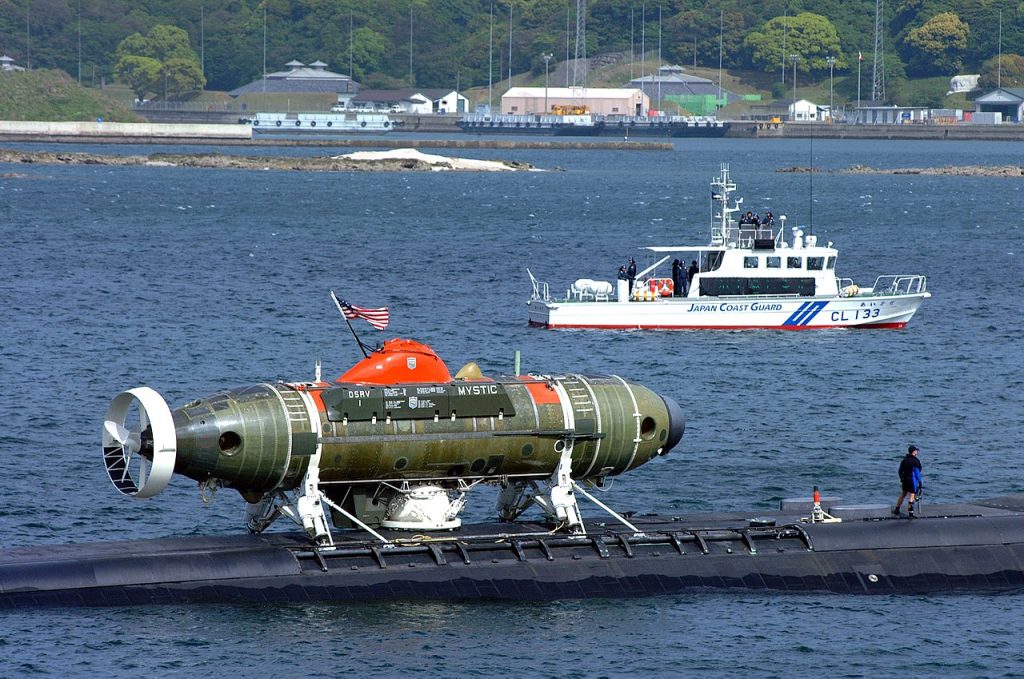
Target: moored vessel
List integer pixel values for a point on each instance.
(579, 124)
(320, 123)
(585, 124)
(747, 277)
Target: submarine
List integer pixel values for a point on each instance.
(374, 468)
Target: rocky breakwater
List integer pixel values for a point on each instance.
(947, 170)
(396, 160)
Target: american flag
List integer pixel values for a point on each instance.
(377, 317)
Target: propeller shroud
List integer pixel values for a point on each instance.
(135, 467)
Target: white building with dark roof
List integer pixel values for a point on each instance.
(7, 64)
(301, 78)
(412, 100)
(1008, 101)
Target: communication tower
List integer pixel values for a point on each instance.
(878, 77)
(579, 69)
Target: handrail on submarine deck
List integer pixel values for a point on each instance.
(517, 543)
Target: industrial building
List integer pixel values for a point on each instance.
(597, 100)
(692, 93)
(301, 78)
(1007, 101)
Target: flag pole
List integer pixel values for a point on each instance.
(337, 303)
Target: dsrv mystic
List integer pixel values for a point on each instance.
(396, 442)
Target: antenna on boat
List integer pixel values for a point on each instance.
(810, 216)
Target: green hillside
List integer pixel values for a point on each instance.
(467, 43)
(52, 95)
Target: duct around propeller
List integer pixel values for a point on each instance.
(139, 456)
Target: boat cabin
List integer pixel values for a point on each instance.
(748, 258)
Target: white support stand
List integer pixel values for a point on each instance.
(557, 500)
(307, 509)
(560, 500)
(310, 508)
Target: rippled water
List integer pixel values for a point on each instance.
(193, 280)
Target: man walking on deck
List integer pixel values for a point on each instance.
(910, 480)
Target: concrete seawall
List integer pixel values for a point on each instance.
(241, 135)
(16, 128)
(234, 133)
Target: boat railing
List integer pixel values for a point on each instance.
(900, 285)
(746, 236)
(540, 288)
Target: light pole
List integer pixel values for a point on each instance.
(795, 58)
(831, 61)
(547, 60)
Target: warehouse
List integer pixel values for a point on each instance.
(597, 100)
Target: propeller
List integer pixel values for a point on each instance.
(139, 456)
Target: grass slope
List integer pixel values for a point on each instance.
(53, 96)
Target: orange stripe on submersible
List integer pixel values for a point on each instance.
(542, 393)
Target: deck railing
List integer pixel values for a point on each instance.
(900, 285)
(744, 236)
(540, 288)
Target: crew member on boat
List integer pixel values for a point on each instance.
(631, 274)
(679, 279)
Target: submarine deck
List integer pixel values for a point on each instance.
(952, 547)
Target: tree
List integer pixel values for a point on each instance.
(1010, 75)
(369, 48)
(810, 36)
(142, 74)
(937, 46)
(182, 75)
(165, 50)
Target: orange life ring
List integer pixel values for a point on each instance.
(662, 287)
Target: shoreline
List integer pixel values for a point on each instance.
(394, 161)
(946, 170)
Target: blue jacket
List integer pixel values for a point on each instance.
(910, 471)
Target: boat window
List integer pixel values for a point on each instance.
(715, 287)
(774, 262)
(712, 261)
(831, 263)
(750, 262)
(794, 262)
(815, 263)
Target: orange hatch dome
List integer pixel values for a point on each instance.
(399, 361)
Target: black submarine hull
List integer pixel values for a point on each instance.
(965, 547)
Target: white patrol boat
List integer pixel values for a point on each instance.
(748, 277)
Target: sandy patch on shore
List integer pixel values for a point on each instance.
(437, 163)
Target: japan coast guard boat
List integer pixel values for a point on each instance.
(748, 277)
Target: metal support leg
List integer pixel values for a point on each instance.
(310, 508)
(260, 515)
(560, 500)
